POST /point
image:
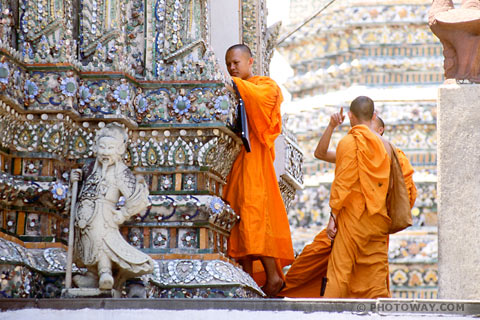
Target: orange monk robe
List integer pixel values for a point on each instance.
(358, 264)
(407, 171)
(252, 188)
(304, 278)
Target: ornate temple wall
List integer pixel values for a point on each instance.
(66, 70)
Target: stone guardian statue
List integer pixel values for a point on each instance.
(98, 245)
(459, 31)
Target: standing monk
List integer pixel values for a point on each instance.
(378, 126)
(358, 264)
(261, 241)
(304, 278)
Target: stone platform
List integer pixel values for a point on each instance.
(348, 308)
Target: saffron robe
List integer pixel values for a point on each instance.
(252, 188)
(358, 264)
(407, 171)
(304, 278)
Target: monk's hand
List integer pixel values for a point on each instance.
(336, 119)
(331, 229)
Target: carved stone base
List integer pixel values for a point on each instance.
(202, 278)
(204, 292)
(136, 290)
(90, 293)
(40, 273)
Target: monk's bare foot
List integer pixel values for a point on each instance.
(272, 288)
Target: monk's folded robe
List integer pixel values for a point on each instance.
(304, 278)
(358, 264)
(252, 188)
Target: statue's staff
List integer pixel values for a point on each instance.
(68, 273)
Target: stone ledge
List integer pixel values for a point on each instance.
(360, 306)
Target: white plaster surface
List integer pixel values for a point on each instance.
(458, 188)
(377, 93)
(225, 27)
(146, 314)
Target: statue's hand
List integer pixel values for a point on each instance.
(118, 216)
(76, 175)
(140, 179)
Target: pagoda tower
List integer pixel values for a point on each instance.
(384, 50)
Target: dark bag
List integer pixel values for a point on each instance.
(398, 203)
(241, 125)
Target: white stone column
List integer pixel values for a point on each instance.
(225, 27)
(458, 126)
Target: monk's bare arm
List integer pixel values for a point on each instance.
(322, 152)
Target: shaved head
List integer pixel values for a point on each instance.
(379, 122)
(362, 108)
(242, 47)
(239, 61)
(378, 125)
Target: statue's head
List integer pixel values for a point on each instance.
(110, 143)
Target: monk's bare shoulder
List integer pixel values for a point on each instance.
(386, 144)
